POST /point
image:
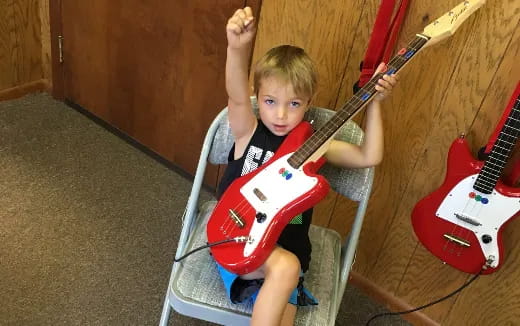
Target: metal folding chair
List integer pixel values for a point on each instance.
(195, 288)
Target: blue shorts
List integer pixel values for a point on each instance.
(239, 290)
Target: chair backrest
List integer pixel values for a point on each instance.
(351, 183)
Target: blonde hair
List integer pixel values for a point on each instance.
(290, 63)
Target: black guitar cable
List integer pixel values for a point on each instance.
(216, 243)
(431, 303)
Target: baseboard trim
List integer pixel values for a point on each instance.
(21, 90)
(390, 301)
(131, 141)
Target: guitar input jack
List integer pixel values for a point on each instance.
(489, 262)
(239, 239)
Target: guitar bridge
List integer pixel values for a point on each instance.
(457, 240)
(239, 221)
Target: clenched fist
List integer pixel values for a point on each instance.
(241, 28)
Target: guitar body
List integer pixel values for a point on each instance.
(261, 203)
(460, 225)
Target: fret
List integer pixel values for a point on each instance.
(502, 162)
(503, 134)
(490, 174)
(483, 189)
(505, 149)
(506, 156)
(511, 127)
(354, 104)
(498, 171)
(487, 183)
(484, 184)
(492, 162)
(505, 141)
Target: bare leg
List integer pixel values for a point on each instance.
(288, 315)
(282, 271)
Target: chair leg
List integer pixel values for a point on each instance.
(165, 315)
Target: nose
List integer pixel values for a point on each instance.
(281, 112)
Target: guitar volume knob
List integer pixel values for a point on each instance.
(486, 238)
(260, 217)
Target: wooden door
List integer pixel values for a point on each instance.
(152, 69)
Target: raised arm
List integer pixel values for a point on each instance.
(240, 32)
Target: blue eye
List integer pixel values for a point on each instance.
(269, 102)
(295, 104)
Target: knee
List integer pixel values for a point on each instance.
(285, 269)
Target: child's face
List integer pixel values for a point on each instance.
(280, 108)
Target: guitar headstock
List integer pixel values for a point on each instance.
(447, 24)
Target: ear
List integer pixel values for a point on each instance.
(309, 103)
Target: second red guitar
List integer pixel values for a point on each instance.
(461, 222)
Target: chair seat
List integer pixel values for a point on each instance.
(198, 282)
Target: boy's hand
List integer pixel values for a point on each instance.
(385, 84)
(241, 28)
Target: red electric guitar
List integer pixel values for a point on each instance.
(461, 222)
(256, 207)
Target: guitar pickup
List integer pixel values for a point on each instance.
(457, 240)
(468, 219)
(259, 194)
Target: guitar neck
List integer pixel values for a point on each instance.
(317, 144)
(500, 152)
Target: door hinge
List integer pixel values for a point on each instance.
(60, 47)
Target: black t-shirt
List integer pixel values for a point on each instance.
(261, 147)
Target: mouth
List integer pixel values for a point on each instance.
(279, 127)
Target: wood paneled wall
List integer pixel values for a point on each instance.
(459, 86)
(24, 47)
(45, 33)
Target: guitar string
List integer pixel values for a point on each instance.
(448, 242)
(466, 233)
(463, 232)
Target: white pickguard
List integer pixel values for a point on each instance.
(278, 191)
(491, 215)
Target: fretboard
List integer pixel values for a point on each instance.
(497, 159)
(356, 103)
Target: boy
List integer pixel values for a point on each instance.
(284, 83)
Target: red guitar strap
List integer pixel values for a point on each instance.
(514, 176)
(383, 37)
